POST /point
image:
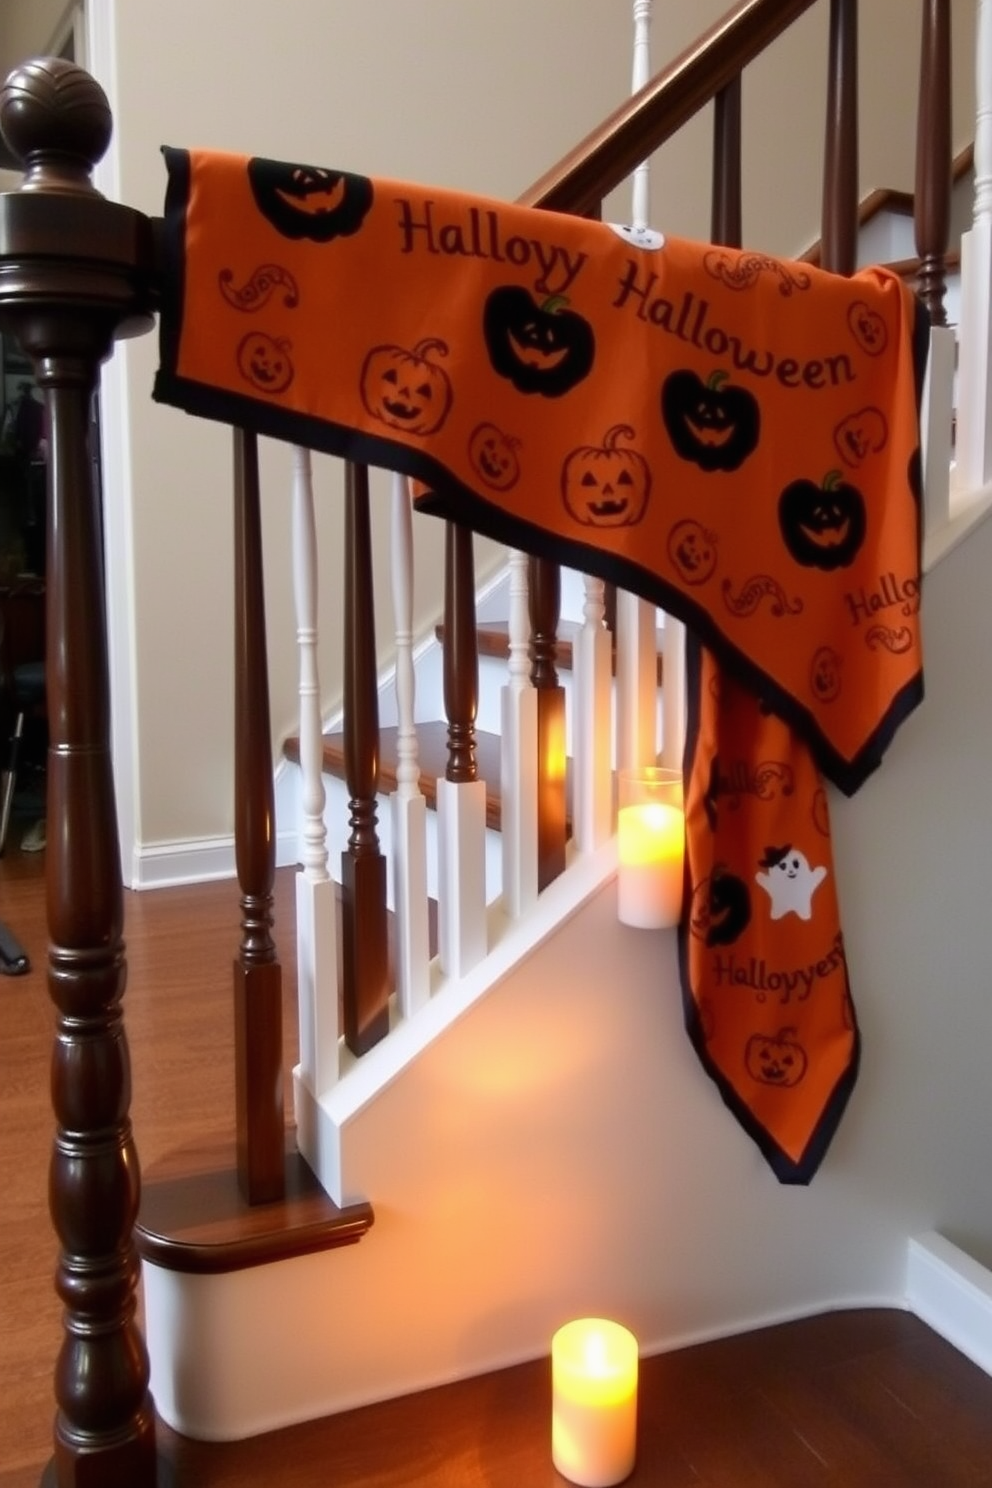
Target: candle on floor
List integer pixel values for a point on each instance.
(650, 848)
(594, 1411)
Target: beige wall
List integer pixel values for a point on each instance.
(31, 27)
(465, 94)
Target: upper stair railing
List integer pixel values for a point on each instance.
(76, 271)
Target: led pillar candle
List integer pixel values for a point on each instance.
(650, 848)
(594, 1411)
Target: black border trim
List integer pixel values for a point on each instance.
(177, 190)
(448, 498)
(786, 1169)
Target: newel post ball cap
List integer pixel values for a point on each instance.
(56, 119)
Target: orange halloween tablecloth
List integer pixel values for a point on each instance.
(732, 436)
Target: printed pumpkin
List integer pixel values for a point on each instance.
(605, 486)
(494, 456)
(542, 347)
(721, 908)
(406, 389)
(307, 201)
(715, 424)
(776, 1059)
(265, 362)
(693, 551)
(822, 526)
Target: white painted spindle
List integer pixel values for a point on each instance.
(518, 755)
(640, 75)
(409, 809)
(637, 621)
(316, 928)
(592, 782)
(673, 694)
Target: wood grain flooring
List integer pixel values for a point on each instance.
(848, 1400)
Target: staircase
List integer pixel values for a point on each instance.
(520, 1112)
(463, 1031)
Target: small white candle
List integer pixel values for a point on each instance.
(650, 846)
(594, 1411)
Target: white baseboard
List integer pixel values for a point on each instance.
(161, 865)
(952, 1293)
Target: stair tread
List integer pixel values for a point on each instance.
(193, 1217)
(494, 640)
(432, 739)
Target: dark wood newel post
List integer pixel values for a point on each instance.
(73, 269)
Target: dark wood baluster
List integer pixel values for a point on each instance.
(461, 654)
(726, 221)
(933, 157)
(365, 962)
(545, 603)
(840, 168)
(257, 974)
(73, 267)
(610, 610)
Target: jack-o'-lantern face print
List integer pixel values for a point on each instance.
(265, 362)
(693, 551)
(307, 201)
(721, 908)
(825, 675)
(822, 526)
(407, 389)
(715, 424)
(494, 456)
(606, 486)
(540, 347)
(868, 328)
(861, 434)
(776, 1059)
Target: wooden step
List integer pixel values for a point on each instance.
(494, 640)
(432, 741)
(193, 1217)
(433, 746)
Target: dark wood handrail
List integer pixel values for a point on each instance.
(607, 156)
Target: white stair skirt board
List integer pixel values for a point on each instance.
(324, 1125)
(952, 1293)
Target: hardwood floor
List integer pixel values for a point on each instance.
(848, 1399)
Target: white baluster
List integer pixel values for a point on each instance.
(637, 621)
(640, 75)
(518, 755)
(592, 791)
(316, 927)
(409, 809)
(974, 427)
(637, 681)
(673, 694)
(983, 111)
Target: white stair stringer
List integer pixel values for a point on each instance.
(325, 1123)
